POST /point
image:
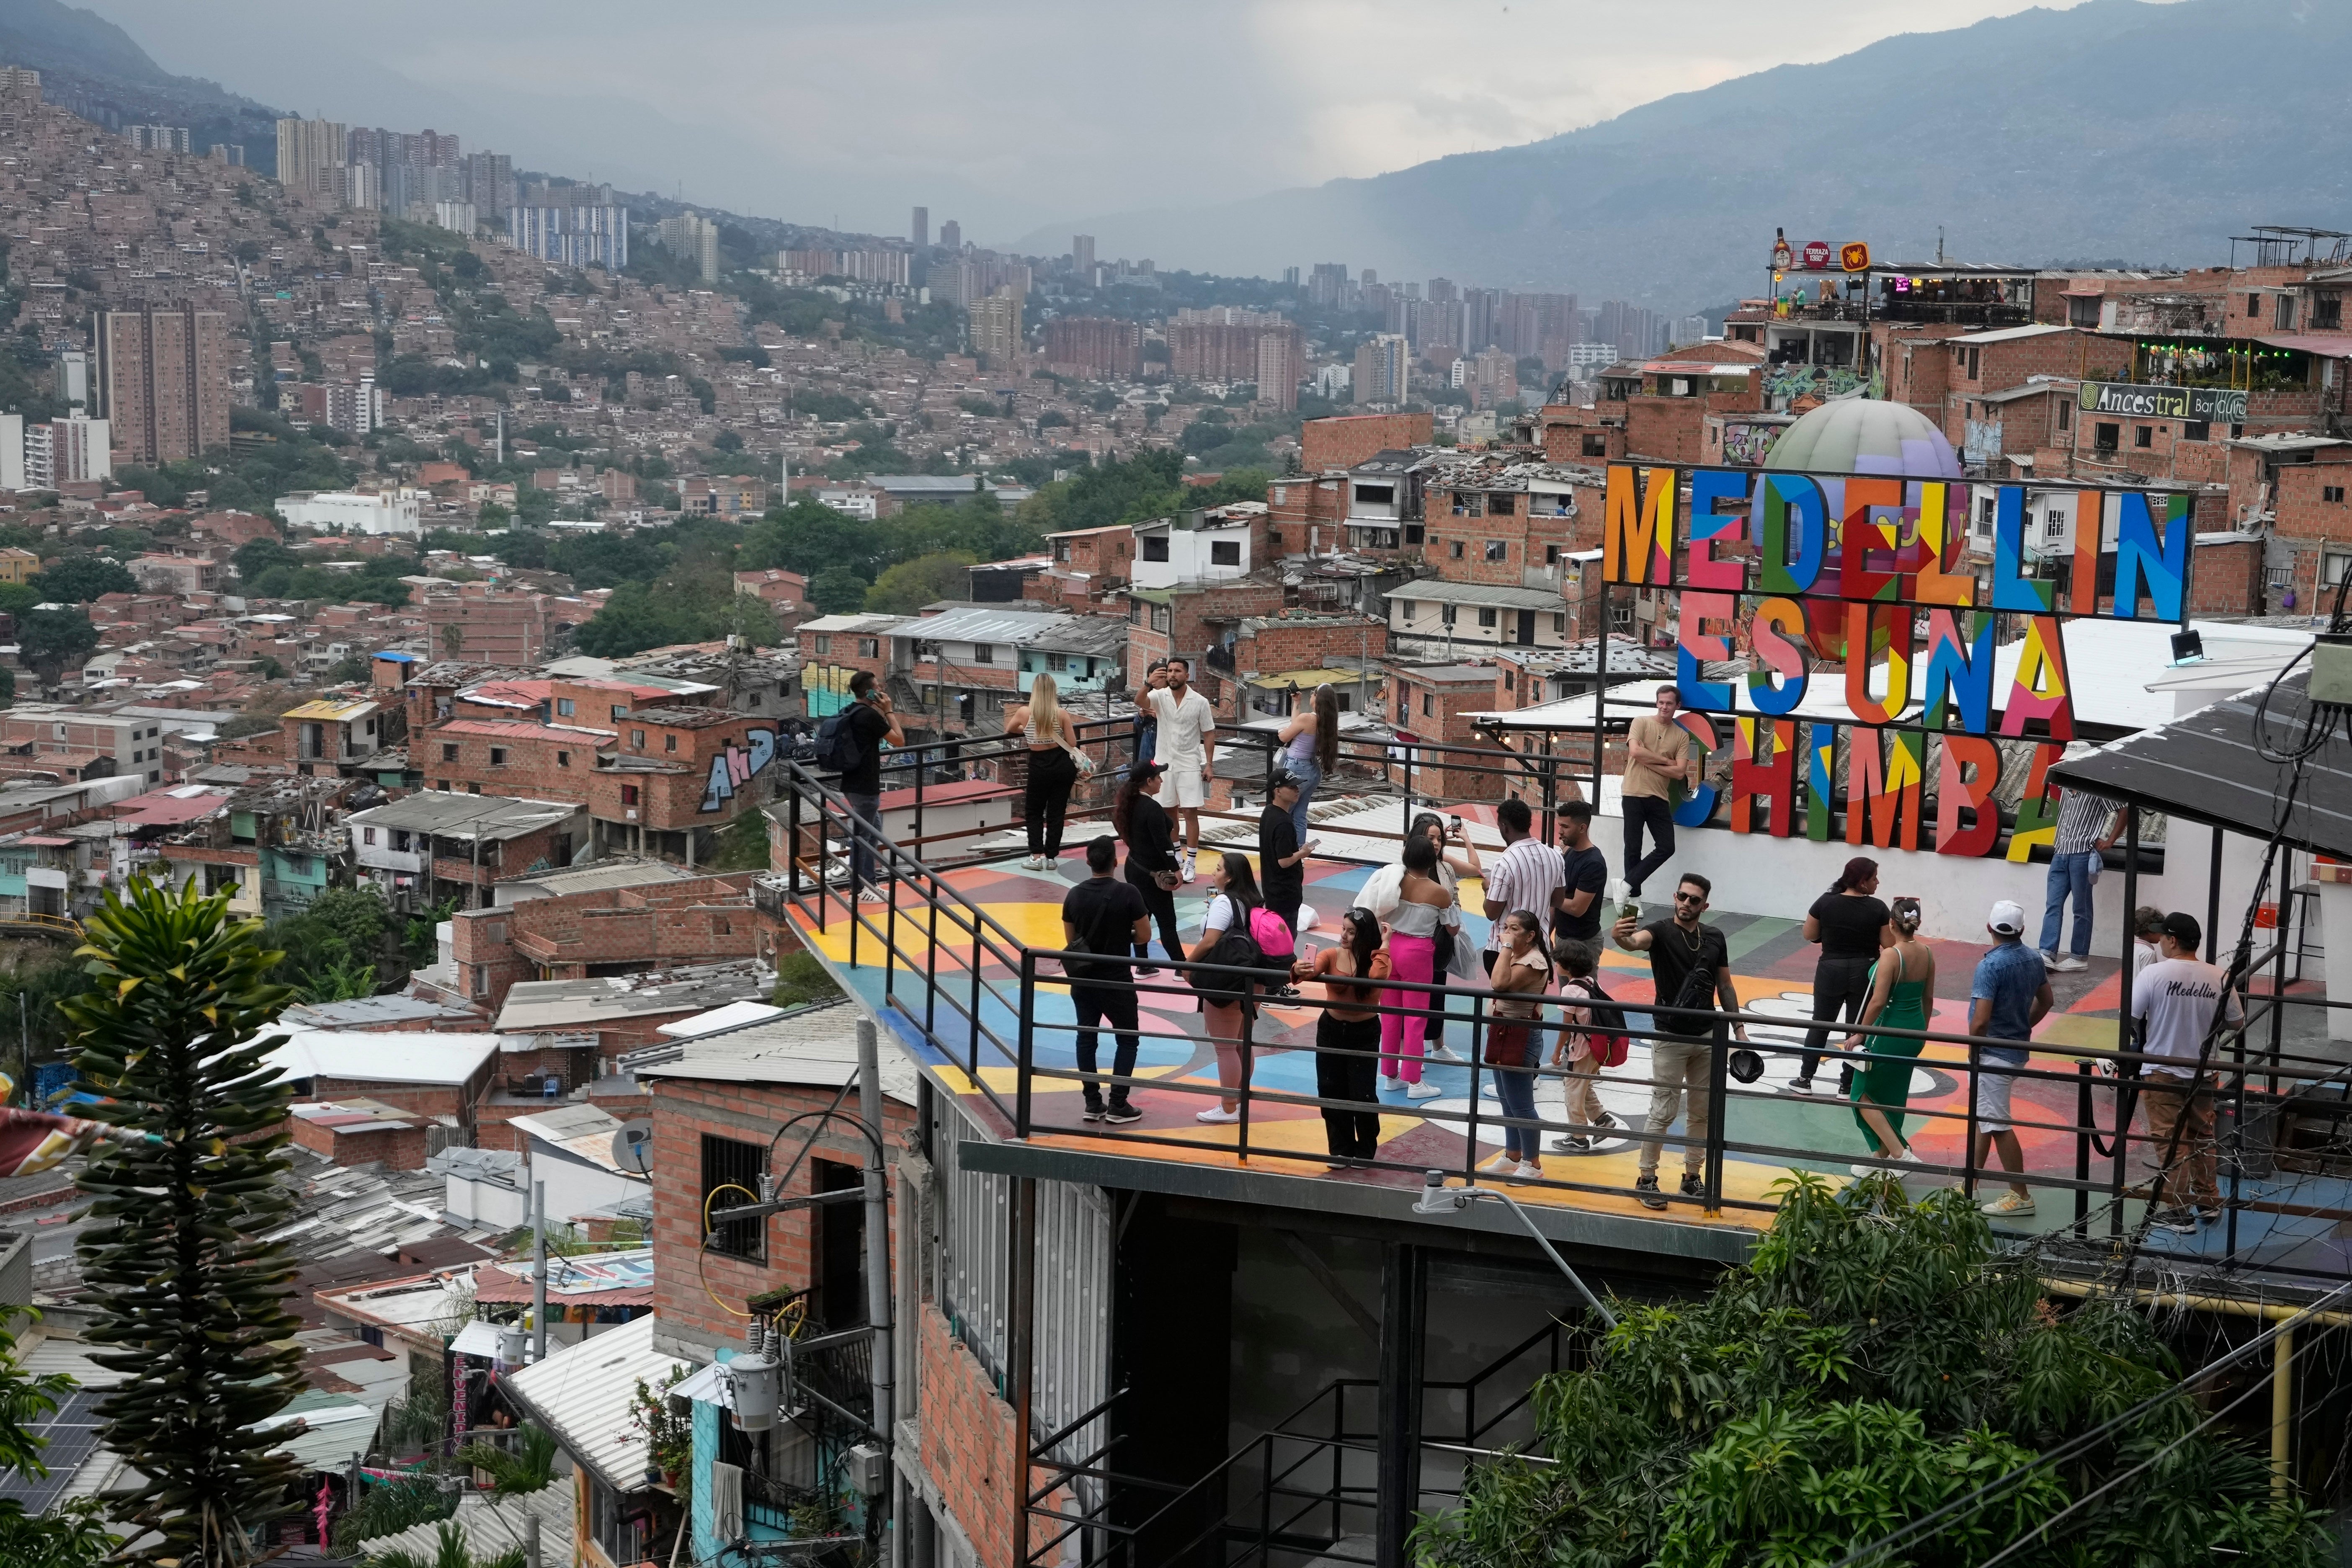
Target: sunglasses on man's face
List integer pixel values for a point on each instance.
(1690, 898)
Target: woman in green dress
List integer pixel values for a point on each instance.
(1900, 983)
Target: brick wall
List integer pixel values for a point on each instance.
(396, 1148)
(968, 1441)
(2226, 579)
(428, 1099)
(1529, 538)
(1277, 644)
(1440, 710)
(1324, 445)
(1306, 511)
(684, 1109)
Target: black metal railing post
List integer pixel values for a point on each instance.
(1028, 1043)
(1718, 1114)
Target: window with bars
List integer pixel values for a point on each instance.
(729, 1164)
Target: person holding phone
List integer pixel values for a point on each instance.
(872, 725)
(1690, 966)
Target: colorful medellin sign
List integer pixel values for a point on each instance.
(736, 766)
(1815, 565)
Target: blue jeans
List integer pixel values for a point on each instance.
(1511, 1052)
(2070, 877)
(869, 808)
(1311, 779)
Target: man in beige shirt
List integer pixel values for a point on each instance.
(1658, 754)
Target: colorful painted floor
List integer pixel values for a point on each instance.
(1773, 967)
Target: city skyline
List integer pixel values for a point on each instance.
(595, 92)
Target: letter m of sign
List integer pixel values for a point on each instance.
(1637, 535)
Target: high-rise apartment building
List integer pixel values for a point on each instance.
(858, 266)
(996, 326)
(952, 237)
(1094, 348)
(42, 456)
(487, 180)
(954, 280)
(919, 231)
(157, 137)
(311, 156)
(1082, 254)
(163, 380)
(1327, 283)
(1381, 363)
(1281, 361)
(692, 237)
(1226, 342)
(457, 217)
(73, 379)
(1290, 276)
(572, 236)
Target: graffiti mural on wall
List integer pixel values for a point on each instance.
(736, 766)
(827, 688)
(1747, 445)
(1785, 384)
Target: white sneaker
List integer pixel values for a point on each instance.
(2069, 964)
(1529, 1171)
(1441, 1052)
(1910, 1157)
(1865, 1170)
(1499, 1164)
(1421, 1092)
(1218, 1115)
(870, 896)
(1189, 873)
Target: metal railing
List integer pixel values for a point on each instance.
(972, 989)
(1291, 1493)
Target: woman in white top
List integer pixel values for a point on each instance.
(1225, 1012)
(1054, 755)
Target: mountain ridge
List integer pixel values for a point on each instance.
(2029, 137)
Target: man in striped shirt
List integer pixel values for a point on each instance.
(1527, 874)
(2088, 824)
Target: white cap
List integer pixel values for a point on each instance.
(2008, 918)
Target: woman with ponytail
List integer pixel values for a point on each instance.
(1902, 988)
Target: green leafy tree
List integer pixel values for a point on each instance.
(51, 641)
(191, 1302)
(838, 592)
(357, 915)
(1876, 1360)
(527, 1467)
(903, 589)
(73, 1535)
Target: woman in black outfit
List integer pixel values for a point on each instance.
(1150, 855)
(1851, 925)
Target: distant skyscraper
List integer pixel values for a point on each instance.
(310, 153)
(157, 137)
(1082, 254)
(163, 380)
(73, 378)
(996, 327)
(1328, 284)
(1690, 330)
(487, 180)
(690, 237)
(920, 233)
(952, 237)
(1097, 348)
(1290, 276)
(1381, 363)
(572, 236)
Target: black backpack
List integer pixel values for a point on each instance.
(837, 750)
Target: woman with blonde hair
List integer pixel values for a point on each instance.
(1055, 764)
(1311, 750)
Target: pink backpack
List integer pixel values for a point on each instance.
(1271, 933)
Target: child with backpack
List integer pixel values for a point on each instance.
(1592, 1037)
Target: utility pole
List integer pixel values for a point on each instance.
(24, 1033)
(878, 1228)
(539, 1270)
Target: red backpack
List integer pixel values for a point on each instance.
(1606, 1034)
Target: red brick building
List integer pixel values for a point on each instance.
(603, 931)
(1332, 446)
(716, 1108)
(481, 621)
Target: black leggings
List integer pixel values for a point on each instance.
(1161, 905)
(1046, 799)
(1345, 1050)
(1840, 988)
(1656, 814)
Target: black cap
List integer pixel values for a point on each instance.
(2184, 930)
(1285, 778)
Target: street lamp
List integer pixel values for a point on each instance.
(1437, 1198)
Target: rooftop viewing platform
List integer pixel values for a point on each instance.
(963, 957)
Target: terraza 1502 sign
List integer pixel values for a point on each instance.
(1815, 567)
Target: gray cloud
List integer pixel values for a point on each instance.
(1007, 116)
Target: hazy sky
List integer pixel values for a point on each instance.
(1005, 115)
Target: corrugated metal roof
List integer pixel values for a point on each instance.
(989, 624)
(1437, 591)
(454, 814)
(490, 1526)
(329, 710)
(383, 1057)
(581, 1395)
(814, 1047)
(2009, 334)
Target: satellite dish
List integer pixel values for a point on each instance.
(633, 1147)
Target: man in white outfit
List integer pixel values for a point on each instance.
(1187, 745)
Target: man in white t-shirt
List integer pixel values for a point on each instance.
(2175, 999)
(1187, 744)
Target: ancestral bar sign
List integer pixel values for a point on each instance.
(1865, 573)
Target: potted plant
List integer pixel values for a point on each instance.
(668, 1431)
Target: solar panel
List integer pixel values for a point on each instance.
(69, 1433)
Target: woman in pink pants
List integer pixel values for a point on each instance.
(1422, 905)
